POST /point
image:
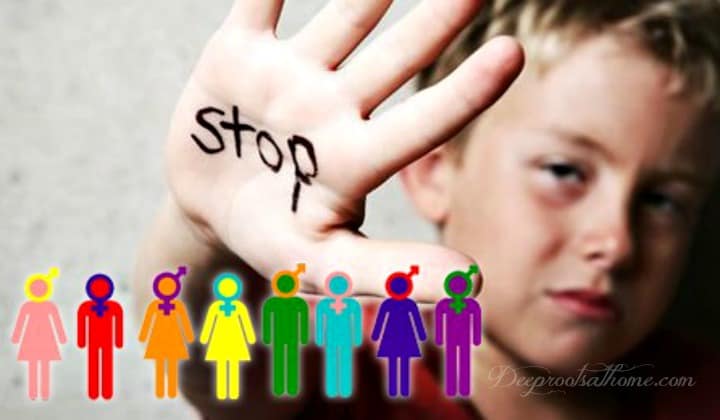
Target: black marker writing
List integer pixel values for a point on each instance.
(294, 143)
(301, 149)
(200, 118)
(237, 129)
(265, 135)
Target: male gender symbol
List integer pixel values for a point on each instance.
(399, 285)
(458, 285)
(166, 306)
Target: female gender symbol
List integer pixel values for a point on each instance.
(221, 291)
(458, 286)
(338, 285)
(399, 285)
(99, 288)
(166, 306)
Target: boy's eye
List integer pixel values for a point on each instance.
(565, 172)
(661, 202)
(667, 208)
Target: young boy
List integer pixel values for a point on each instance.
(577, 191)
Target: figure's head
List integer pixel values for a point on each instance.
(227, 286)
(338, 284)
(399, 285)
(580, 187)
(99, 287)
(286, 283)
(459, 285)
(167, 286)
(39, 287)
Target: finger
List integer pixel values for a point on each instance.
(370, 262)
(412, 44)
(433, 116)
(339, 27)
(255, 14)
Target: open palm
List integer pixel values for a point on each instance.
(272, 148)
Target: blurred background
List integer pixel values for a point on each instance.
(86, 92)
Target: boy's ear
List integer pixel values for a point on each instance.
(427, 182)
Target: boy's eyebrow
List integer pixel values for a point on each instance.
(584, 142)
(697, 179)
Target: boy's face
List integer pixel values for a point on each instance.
(576, 193)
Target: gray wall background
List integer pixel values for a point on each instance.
(86, 92)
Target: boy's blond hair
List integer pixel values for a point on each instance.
(684, 34)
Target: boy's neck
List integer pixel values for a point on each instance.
(500, 390)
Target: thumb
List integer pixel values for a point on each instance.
(370, 262)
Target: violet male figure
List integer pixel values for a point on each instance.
(458, 323)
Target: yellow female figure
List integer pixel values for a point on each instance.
(228, 330)
(167, 329)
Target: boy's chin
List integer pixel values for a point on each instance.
(569, 354)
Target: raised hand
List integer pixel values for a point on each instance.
(273, 146)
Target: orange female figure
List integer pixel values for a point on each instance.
(167, 330)
(38, 329)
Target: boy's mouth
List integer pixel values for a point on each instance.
(586, 303)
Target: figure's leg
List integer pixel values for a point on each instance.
(107, 373)
(160, 378)
(234, 379)
(221, 379)
(278, 369)
(405, 376)
(173, 378)
(45, 380)
(392, 376)
(464, 369)
(93, 372)
(451, 368)
(346, 371)
(293, 369)
(331, 370)
(33, 379)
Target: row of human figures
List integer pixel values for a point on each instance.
(228, 332)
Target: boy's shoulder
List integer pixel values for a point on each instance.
(687, 373)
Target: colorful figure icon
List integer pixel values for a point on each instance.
(38, 329)
(398, 327)
(167, 329)
(458, 323)
(285, 326)
(228, 331)
(338, 329)
(100, 330)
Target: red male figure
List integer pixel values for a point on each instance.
(100, 329)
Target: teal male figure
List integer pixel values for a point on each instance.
(285, 326)
(338, 328)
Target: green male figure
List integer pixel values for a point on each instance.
(285, 326)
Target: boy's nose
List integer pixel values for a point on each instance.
(608, 242)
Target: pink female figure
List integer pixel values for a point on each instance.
(38, 330)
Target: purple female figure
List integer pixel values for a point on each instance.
(399, 327)
(457, 323)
